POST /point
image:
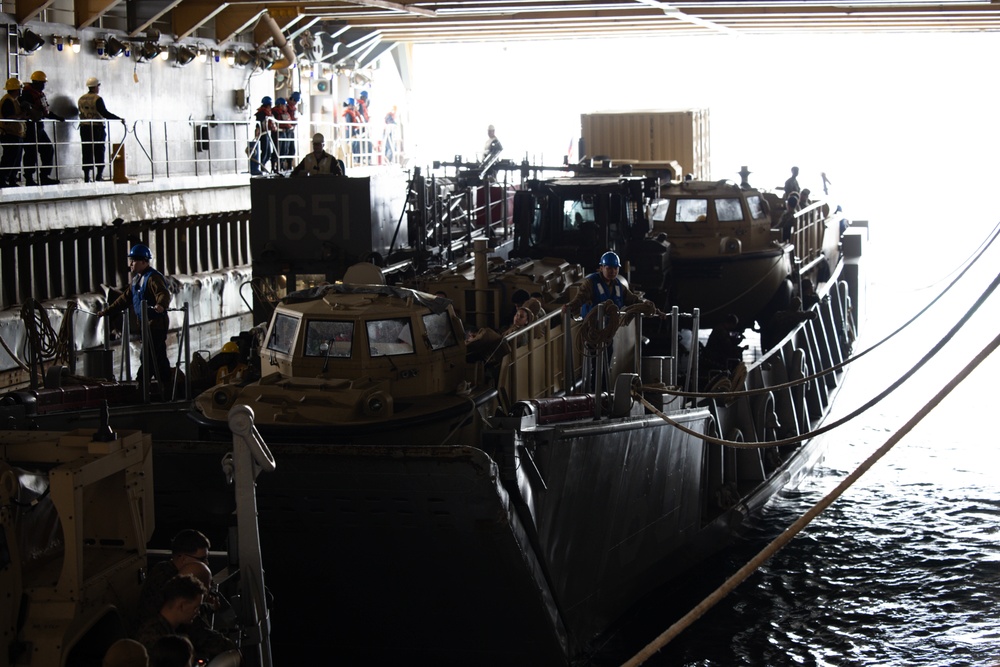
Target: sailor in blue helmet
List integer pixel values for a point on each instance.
(264, 151)
(604, 285)
(147, 290)
(353, 120)
(284, 138)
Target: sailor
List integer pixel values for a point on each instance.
(792, 184)
(37, 143)
(353, 119)
(148, 289)
(318, 162)
(723, 350)
(265, 136)
(363, 106)
(286, 128)
(493, 145)
(93, 130)
(783, 321)
(12, 130)
(603, 285)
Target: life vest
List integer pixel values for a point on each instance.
(265, 120)
(38, 104)
(8, 126)
(139, 294)
(353, 117)
(88, 107)
(603, 292)
(282, 116)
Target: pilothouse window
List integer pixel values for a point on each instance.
(282, 336)
(328, 338)
(691, 210)
(389, 337)
(658, 209)
(728, 210)
(756, 208)
(576, 213)
(439, 331)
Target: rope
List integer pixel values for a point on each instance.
(837, 367)
(13, 356)
(592, 335)
(744, 572)
(41, 337)
(859, 411)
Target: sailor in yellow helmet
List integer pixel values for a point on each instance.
(93, 129)
(231, 368)
(36, 140)
(11, 133)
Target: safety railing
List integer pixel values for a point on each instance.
(147, 150)
(809, 230)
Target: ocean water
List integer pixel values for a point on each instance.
(904, 568)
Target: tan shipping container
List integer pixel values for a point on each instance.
(650, 136)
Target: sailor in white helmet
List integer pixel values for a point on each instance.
(318, 162)
(93, 131)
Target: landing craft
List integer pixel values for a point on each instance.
(532, 512)
(711, 245)
(519, 525)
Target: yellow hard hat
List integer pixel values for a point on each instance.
(12, 84)
(39, 75)
(230, 347)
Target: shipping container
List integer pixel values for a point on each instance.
(650, 136)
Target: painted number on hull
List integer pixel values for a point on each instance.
(315, 219)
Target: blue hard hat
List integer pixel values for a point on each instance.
(266, 101)
(350, 101)
(140, 251)
(282, 100)
(611, 259)
(296, 96)
(364, 94)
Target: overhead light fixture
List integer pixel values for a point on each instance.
(74, 44)
(183, 55)
(202, 53)
(113, 47)
(230, 57)
(266, 58)
(30, 41)
(244, 58)
(100, 45)
(216, 56)
(58, 41)
(148, 51)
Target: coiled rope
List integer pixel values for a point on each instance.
(744, 572)
(592, 335)
(41, 338)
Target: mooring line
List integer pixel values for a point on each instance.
(969, 263)
(744, 572)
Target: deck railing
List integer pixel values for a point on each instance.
(809, 230)
(148, 150)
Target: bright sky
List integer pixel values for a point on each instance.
(905, 126)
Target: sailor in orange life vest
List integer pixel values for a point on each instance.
(148, 289)
(603, 285)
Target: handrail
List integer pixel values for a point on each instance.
(148, 150)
